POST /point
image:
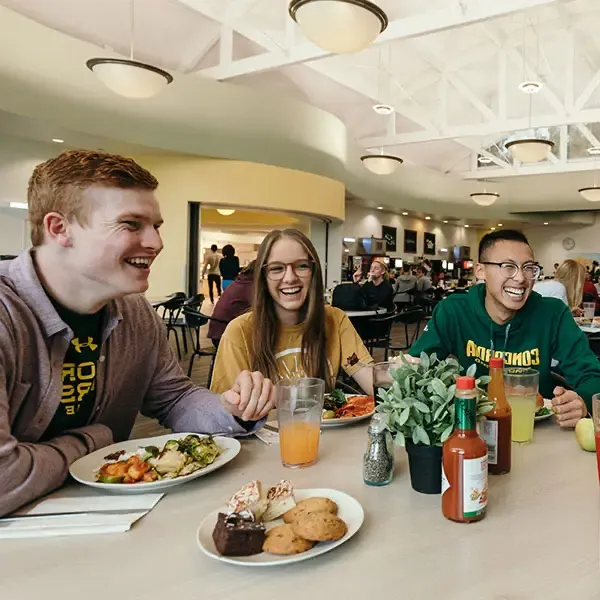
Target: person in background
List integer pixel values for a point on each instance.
(504, 317)
(211, 266)
(229, 265)
(290, 331)
(556, 265)
(567, 285)
(595, 271)
(423, 281)
(82, 352)
(377, 291)
(590, 293)
(404, 289)
(236, 300)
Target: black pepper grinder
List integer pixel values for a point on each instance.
(378, 461)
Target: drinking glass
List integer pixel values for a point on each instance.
(589, 309)
(382, 378)
(521, 387)
(299, 411)
(596, 417)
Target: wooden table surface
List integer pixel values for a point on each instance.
(539, 540)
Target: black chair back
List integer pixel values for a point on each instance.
(377, 333)
(194, 301)
(412, 316)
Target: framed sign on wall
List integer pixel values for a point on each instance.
(429, 243)
(410, 241)
(389, 235)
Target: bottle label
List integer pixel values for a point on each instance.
(445, 483)
(475, 486)
(489, 433)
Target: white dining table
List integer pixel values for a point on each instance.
(539, 540)
(356, 314)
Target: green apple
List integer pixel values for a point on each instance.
(584, 432)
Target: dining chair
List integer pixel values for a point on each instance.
(412, 316)
(377, 333)
(194, 320)
(171, 311)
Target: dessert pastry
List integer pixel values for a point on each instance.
(310, 505)
(283, 540)
(249, 497)
(320, 527)
(238, 535)
(280, 499)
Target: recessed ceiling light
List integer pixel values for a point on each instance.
(499, 224)
(380, 208)
(383, 109)
(445, 221)
(404, 214)
(594, 150)
(466, 226)
(428, 218)
(484, 160)
(493, 228)
(58, 141)
(530, 87)
(545, 223)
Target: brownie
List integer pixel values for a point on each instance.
(238, 535)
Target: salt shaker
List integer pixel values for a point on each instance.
(378, 461)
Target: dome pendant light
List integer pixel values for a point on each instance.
(529, 150)
(484, 198)
(127, 77)
(381, 164)
(339, 26)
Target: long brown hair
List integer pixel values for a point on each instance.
(265, 324)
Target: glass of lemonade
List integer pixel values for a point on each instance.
(299, 410)
(382, 376)
(521, 391)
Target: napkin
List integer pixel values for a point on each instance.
(69, 514)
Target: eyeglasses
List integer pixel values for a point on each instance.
(510, 269)
(276, 271)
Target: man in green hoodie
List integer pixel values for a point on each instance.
(506, 318)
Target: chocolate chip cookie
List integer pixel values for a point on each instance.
(320, 527)
(284, 540)
(309, 506)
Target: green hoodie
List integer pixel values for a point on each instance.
(542, 330)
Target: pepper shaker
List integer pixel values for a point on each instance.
(378, 461)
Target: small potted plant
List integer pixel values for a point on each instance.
(420, 409)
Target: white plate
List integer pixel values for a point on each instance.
(547, 404)
(350, 511)
(338, 422)
(84, 469)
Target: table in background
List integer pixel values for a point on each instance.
(538, 542)
(361, 314)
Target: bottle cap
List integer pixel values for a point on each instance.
(496, 363)
(465, 383)
(378, 423)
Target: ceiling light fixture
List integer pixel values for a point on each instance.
(21, 205)
(381, 164)
(591, 194)
(484, 160)
(484, 198)
(445, 221)
(339, 26)
(127, 77)
(405, 214)
(467, 226)
(226, 212)
(349, 240)
(380, 208)
(594, 150)
(531, 149)
(383, 109)
(58, 141)
(545, 223)
(493, 228)
(428, 218)
(499, 224)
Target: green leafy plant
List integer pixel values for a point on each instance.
(420, 402)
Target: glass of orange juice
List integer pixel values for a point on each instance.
(299, 410)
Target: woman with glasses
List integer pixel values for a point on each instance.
(290, 331)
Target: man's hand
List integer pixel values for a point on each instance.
(251, 398)
(357, 276)
(568, 406)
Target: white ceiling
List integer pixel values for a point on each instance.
(449, 67)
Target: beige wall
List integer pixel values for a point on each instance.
(185, 179)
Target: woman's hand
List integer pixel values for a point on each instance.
(251, 398)
(578, 312)
(357, 276)
(568, 406)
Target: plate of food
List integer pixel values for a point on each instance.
(545, 411)
(267, 527)
(343, 409)
(153, 464)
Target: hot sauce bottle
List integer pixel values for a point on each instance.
(496, 429)
(465, 460)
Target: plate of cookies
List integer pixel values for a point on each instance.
(266, 527)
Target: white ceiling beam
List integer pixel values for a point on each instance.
(588, 135)
(481, 151)
(537, 169)
(502, 83)
(197, 50)
(485, 129)
(454, 16)
(226, 47)
(590, 88)
(569, 53)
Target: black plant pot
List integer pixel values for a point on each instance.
(425, 464)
